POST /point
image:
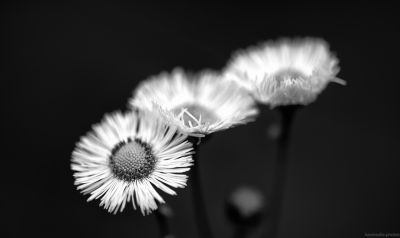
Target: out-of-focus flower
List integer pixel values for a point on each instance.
(245, 206)
(126, 156)
(286, 72)
(198, 104)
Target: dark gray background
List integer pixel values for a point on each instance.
(65, 65)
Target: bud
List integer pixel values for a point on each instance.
(245, 206)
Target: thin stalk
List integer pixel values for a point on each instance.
(241, 232)
(287, 114)
(162, 220)
(203, 225)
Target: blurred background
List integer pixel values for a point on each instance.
(64, 65)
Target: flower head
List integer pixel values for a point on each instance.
(198, 104)
(245, 205)
(286, 72)
(126, 156)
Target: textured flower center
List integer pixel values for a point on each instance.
(132, 160)
(288, 74)
(195, 114)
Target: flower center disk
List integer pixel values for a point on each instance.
(196, 115)
(132, 160)
(288, 74)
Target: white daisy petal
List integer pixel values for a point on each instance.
(287, 72)
(125, 156)
(198, 104)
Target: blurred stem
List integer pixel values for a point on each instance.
(287, 115)
(203, 225)
(162, 220)
(241, 232)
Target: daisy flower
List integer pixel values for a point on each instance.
(126, 156)
(287, 72)
(198, 104)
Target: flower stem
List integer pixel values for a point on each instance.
(287, 114)
(197, 195)
(241, 232)
(161, 215)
